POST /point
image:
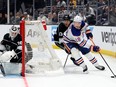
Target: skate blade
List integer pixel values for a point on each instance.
(86, 72)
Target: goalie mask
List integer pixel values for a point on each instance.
(13, 31)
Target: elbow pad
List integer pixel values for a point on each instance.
(89, 35)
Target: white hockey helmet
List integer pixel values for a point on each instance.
(78, 19)
(13, 31)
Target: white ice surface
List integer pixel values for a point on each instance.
(72, 77)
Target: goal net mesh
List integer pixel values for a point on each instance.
(38, 56)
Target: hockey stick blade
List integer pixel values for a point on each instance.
(2, 70)
(113, 76)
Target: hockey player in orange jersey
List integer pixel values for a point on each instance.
(75, 42)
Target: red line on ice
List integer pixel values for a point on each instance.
(25, 82)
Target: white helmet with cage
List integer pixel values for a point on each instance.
(78, 19)
(13, 31)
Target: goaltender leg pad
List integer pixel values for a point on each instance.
(12, 68)
(29, 53)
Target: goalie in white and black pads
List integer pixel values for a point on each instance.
(11, 43)
(11, 48)
(75, 42)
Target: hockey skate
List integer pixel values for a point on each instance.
(85, 69)
(100, 67)
(2, 70)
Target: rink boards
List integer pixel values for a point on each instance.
(104, 36)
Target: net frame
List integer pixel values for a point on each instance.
(44, 36)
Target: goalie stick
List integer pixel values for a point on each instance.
(2, 69)
(114, 76)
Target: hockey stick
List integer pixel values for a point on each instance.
(66, 61)
(2, 69)
(114, 76)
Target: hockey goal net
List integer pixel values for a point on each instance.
(38, 56)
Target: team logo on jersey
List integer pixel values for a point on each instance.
(78, 39)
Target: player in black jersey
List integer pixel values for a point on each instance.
(62, 27)
(13, 41)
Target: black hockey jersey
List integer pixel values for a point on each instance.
(9, 43)
(60, 31)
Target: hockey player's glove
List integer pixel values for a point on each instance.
(95, 48)
(89, 34)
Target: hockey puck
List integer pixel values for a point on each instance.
(113, 76)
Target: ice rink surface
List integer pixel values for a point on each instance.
(72, 76)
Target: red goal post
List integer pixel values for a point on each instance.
(22, 32)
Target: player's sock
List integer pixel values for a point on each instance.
(82, 64)
(94, 61)
(78, 62)
(74, 61)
